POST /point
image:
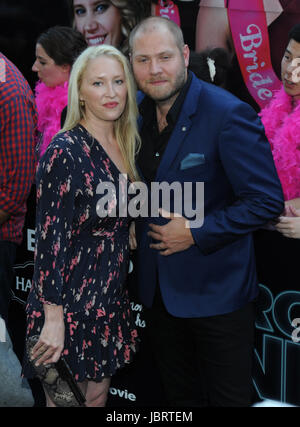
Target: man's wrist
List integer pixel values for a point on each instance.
(189, 233)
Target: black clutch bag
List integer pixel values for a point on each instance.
(57, 379)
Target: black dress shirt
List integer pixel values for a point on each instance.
(154, 142)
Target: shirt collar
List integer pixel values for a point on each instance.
(147, 106)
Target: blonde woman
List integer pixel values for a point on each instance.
(78, 304)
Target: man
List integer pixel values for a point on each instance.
(17, 166)
(281, 120)
(199, 282)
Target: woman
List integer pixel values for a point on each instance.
(108, 21)
(56, 50)
(78, 303)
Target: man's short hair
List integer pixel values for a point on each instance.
(154, 22)
(294, 33)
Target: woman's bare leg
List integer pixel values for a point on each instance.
(96, 393)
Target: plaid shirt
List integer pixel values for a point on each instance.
(18, 119)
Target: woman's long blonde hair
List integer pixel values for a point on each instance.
(125, 126)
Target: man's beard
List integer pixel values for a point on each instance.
(174, 90)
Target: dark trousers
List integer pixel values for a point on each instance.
(7, 260)
(203, 361)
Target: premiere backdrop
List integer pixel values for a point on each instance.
(277, 352)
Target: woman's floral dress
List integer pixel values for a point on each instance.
(82, 257)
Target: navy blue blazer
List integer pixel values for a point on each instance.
(220, 141)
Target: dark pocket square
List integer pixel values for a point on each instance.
(192, 159)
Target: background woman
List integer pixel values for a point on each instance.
(108, 21)
(78, 303)
(56, 50)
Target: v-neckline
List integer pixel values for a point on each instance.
(103, 149)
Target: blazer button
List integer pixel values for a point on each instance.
(183, 128)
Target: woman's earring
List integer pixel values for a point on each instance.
(82, 103)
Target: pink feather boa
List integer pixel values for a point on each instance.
(50, 102)
(282, 127)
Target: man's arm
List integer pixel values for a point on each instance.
(210, 35)
(173, 237)
(17, 158)
(248, 163)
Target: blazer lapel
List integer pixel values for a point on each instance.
(181, 128)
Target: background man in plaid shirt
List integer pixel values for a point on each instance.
(17, 167)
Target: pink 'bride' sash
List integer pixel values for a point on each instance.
(168, 9)
(249, 31)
